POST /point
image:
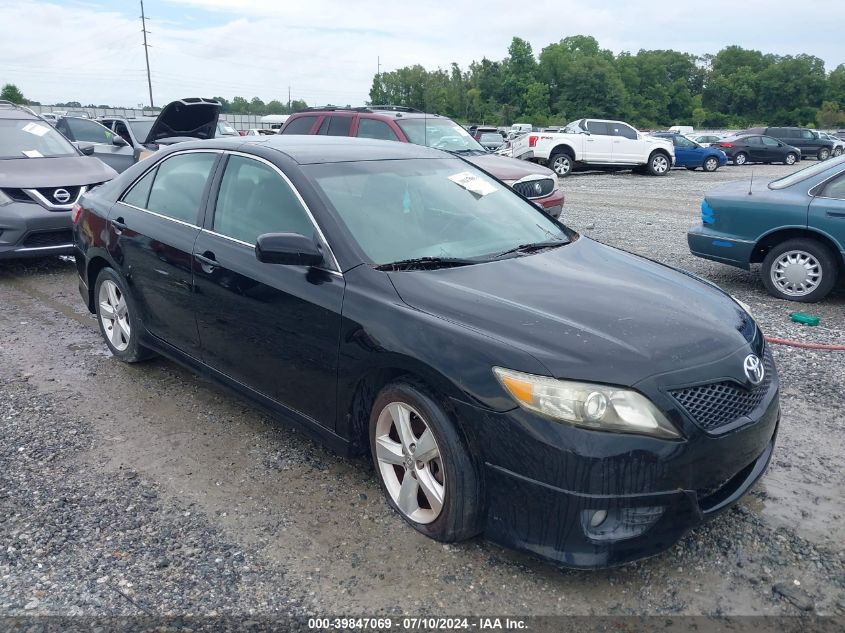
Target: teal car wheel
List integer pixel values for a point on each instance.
(799, 270)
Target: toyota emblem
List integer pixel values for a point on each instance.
(62, 196)
(754, 369)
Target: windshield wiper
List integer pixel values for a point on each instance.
(531, 247)
(429, 263)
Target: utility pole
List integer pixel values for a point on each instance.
(146, 52)
(288, 99)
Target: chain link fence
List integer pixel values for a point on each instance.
(237, 121)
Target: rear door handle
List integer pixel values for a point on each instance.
(836, 214)
(118, 224)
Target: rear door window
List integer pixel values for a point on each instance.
(620, 129)
(179, 186)
(373, 128)
(139, 194)
(300, 125)
(335, 126)
(835, 188)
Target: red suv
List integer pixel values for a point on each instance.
(395, 123)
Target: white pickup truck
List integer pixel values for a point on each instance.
(596, 144)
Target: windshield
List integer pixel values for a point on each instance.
(807, 172)
(405, 209)
(141, 129)
(22, 138)
(439, 133)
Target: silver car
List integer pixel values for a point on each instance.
(42, 175)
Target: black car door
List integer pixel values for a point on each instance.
(756, 150)
(773, 150)
(270, 327)
(155, 224)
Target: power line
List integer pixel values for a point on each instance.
(146, 52)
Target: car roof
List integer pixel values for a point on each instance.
(15, 112)
(307, 149)
(387, 114)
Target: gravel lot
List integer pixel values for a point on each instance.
(131, 490)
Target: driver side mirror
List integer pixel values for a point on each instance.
(86, 148)
(119, 141)
(289, 249)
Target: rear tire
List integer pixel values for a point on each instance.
(453, 474)
(659, 164)
(117, 316)
(561, 163)
(824, 154)
(790, 159)
(801, 269)
(740, 159)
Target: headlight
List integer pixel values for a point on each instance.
(4, 199)
(592, 406)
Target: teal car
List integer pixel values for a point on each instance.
(794, 226)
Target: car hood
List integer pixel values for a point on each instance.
(194, 117)
(69, 171)
(505, 168)
(587, 311)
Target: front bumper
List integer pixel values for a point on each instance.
(546, 481)
(552, 204)
(29, 230)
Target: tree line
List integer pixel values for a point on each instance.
(237, 105)
(576, 78)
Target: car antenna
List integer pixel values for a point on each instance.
(750, 184)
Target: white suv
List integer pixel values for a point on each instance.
(597, 144)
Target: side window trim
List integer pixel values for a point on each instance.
(206, 193)
(215, 192)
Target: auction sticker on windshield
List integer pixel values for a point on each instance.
(473, 183)
(35, 128)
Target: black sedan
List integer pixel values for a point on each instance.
(508, 376)
(742, 149)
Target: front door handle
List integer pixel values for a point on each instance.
(208, 261)
(118, 224)
(836, 214)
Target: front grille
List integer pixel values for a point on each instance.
(530, 189)
(719, 404)
(49, 194)
(18, 195)
(48, 238)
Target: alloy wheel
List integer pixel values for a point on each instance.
(790, 159)
(660, 164)
(562, 165)
(711, 164)
(410, 463)
(796, 273)
(741, 159)
(114, 315)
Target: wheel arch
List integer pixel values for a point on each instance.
(563, 148)
(770, 240)
(96, 264)
(356, 408)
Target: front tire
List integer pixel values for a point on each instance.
(659, 164)
(741, 159)
(423, 465)
(711, 163)
(561, 163)
(837, 152)
(824, 154)
(790, 159)
(117, 317)
(801, 269)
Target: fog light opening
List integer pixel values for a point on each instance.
(598, 518)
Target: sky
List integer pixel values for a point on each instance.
(327, 51)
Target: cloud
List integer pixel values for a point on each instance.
(326, 50)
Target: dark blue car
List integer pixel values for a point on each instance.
(794, 226)
(691, 155)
